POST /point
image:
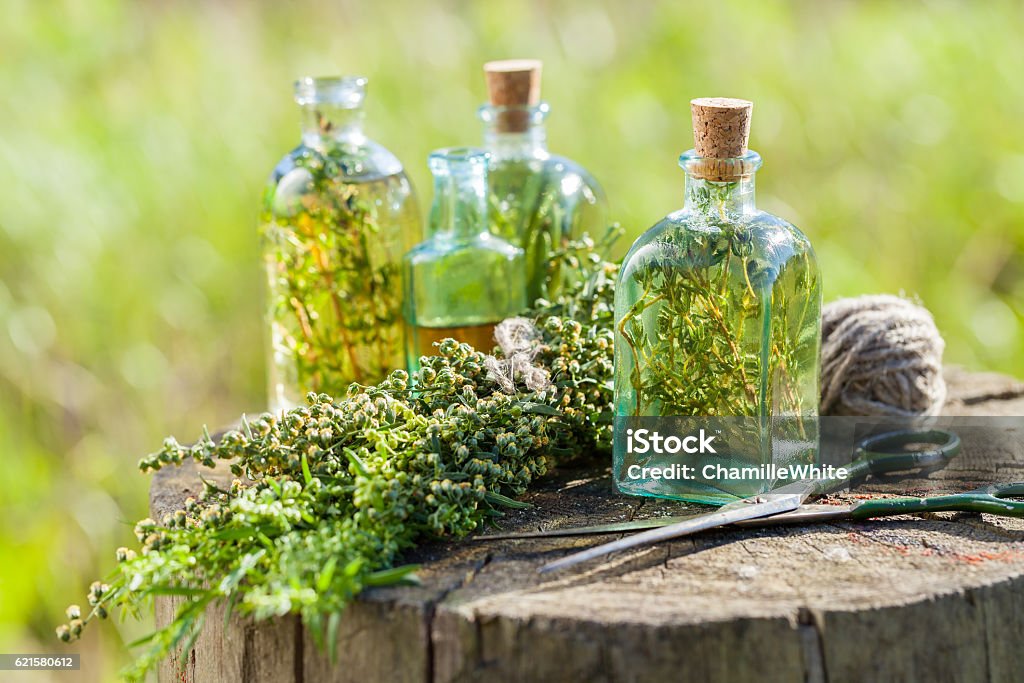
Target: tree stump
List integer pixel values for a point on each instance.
(936, 597)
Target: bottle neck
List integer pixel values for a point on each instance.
(726, 200)
(324, 125)
(515, 132)
(720, 188)
(530, 143)
(459, 210)
(332, 110)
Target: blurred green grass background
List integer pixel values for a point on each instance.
(135, 138)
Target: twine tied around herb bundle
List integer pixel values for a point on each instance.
(881, 355)
(519, 340)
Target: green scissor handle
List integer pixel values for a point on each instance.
(990, 499)
(882, 453)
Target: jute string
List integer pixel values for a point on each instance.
(880, 355)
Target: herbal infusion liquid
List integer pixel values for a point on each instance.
(462, 280)
(717, 332)
(338, 214)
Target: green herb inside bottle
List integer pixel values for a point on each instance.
(338, 214)
(538, 201)
(718, 317)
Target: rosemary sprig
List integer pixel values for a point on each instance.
(532, 207)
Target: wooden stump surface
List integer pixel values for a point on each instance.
(936, 597)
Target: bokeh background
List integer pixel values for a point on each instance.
(136, 136)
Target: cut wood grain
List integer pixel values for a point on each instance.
(937, 597)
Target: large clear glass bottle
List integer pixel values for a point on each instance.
(462, 280)
(539, 201)
(339, 212)
(718, 327)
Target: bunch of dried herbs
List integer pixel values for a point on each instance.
(340, 487)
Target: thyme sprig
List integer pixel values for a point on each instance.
(721, 323)
(332, 261)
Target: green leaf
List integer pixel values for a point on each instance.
(305, 470)
(539, 409)
(315, 624)
(184, 620)
(395, 575)
(356, 462)
(235, 533)
(332, 636)
(272, 483)
(229, 610)
(231, 581)
(496, 498)
(190, 642)
(143, 640)
(209, 484)
(323, 582)
(353, 567)
(265, 540)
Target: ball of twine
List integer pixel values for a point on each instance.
(881, 355)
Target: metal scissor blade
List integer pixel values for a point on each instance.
(592, 530)
(782, 500)
(805, 514)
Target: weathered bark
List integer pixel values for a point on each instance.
(936, 597)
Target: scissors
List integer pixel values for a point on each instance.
(876, 454)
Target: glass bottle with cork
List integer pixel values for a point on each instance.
(718, 326)
(539, 201)
(338, 214)
(462, 280)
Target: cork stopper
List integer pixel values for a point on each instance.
(721, 126)
(513, 83)
(721, 129)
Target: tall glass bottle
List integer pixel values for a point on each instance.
(338, 214)
(462, 280)
(539, 201)
(718, 328)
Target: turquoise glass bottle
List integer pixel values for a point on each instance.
(539, 201)
(718, 326)
(462, 280)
